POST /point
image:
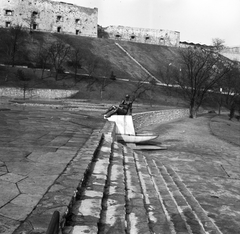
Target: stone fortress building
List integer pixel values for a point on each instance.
(49, 16)
(144, 35)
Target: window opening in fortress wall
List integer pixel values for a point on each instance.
(8, 24)
(132, 37)
(59, 18)
(34, 14)
(35, 26)
(8, 12)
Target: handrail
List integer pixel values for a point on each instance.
(53, 227)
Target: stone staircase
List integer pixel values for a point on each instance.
(126, 192)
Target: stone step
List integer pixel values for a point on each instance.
(114, 211)
(181, 214)
(136, 213)
(163, 214)
(128, 193)
(206, 224)
(85, 214)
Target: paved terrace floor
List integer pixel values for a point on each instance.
(36, 145)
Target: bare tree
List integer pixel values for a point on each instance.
(218, 44)
(58, 54)
(142, 86)
(31, 20)
(24, 81)
(42, 59)
(231, 87)
(75, 61)
(100, 83)
(165, 74)
(90, 65)
(109, 76)
(201, 70)
(13, 42)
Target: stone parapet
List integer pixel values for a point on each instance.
(157, 117)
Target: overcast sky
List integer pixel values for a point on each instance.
(198, 21)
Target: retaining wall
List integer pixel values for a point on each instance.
(37, 93)
(144, 119)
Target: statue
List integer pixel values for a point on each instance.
(124, 108)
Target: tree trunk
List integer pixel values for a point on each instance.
(56, 75)
(219, 109)
(24, 93)
(193, 110)
(193, 113)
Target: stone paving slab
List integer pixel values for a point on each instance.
(36, 146)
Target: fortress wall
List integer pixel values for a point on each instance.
(144, 119)
(50, 16)
(144, 35)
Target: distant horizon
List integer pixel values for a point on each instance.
(197, 21)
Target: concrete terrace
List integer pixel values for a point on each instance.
(65, 158)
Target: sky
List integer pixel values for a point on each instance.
(198, 21)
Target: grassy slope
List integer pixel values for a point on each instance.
(110, 58)
(152, 57)
(225, 129)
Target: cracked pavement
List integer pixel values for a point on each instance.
(36, 145)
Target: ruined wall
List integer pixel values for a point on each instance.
(144, 35)
(49, 16)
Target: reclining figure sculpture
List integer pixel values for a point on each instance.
(124, 108)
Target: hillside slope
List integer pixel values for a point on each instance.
(152, 57)
(109, 56)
